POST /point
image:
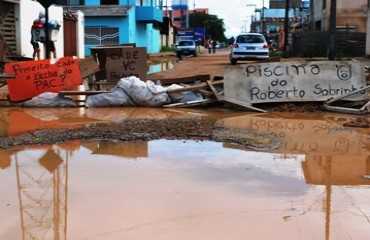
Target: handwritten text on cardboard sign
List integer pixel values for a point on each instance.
(36, 77)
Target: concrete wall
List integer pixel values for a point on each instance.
(353, 14)
(168, 40)
(131, 25)
(80, 35)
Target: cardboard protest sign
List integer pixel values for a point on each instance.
(36, 77)
(295, 81)
(125, 62)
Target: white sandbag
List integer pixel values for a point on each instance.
(145, 94)
(50, 99)
(183, 97)
(116, 98)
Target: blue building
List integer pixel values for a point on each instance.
(115, 22)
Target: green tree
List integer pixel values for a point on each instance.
(214, 27)
(231, 40)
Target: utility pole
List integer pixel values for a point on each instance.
(333, 23)
(368, 30)
(263, 17)
(312, 17)
(46, 4)
(253, 5)
(286, 26)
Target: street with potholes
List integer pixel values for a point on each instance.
(211, 172)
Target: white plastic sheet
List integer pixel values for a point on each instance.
(116, 98)
(145, 94)
(50, 99)
(183, 97)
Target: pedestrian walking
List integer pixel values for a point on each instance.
(35, 44)
(39, 26)
(36, 49)
(209, 45)
(214, 44)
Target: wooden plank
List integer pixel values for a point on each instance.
(3, 75)
(343, 110)
(193, 87)
(213, 89)
(347, 95)
(82, 92)
(191, 103)
(104, 83)
(201, 91)
(205, 92)
(201, 78)
(88, 66)
(364, 108)
(186, 89)
(242, 104)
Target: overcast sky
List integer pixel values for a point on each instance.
(235, 13)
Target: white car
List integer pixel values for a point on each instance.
(186, 47)
(249, 46)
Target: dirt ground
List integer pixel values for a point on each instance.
(204, 63)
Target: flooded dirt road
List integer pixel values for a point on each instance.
(314, 185)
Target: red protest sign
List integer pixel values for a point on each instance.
(36, 77)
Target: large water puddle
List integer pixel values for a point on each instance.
(314, 186)
(161, 67)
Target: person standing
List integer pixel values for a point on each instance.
(209, 45)
(39, 24)
(36, 49)
(214, 43)
(36, 46)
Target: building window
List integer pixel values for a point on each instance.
(101, 36)
(109, 2)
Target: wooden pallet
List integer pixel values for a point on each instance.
(208, 88)
(363, 110)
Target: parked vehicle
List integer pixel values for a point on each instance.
(186, 47)
(249, 46)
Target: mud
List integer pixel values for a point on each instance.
(146, 130)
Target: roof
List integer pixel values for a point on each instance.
(100, 10)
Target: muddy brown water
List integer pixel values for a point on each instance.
(313, 186)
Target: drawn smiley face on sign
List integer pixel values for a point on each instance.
(344, 72)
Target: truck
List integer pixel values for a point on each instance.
(196, 34)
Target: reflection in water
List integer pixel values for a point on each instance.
(42, 191)
(161, 67)
(312, 187)
(120, 149)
